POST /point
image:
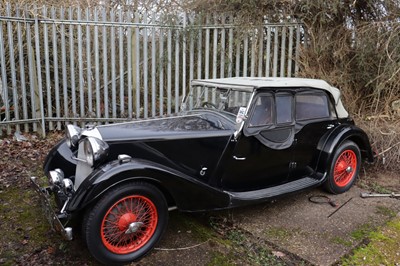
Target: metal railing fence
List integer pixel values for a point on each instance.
(97, 65)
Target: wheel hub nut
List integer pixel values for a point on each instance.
(133, 227)
(349, 169)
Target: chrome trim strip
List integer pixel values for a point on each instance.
(78, 159)
(92, 132)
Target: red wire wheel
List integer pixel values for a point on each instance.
(125, 223)
(129, 224)
(345, 168)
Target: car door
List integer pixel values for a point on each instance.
(262, 154)
(315, 117)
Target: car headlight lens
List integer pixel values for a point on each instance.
(95, 150)
(72, 135)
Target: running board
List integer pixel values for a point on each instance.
(275, 191)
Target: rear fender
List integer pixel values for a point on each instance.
(329, 143)
(188, 193)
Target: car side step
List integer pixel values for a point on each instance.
(274, 191)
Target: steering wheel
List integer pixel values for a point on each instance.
(208, 104)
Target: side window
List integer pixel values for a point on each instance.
(262, 114)
(311, 106)
(284, 109)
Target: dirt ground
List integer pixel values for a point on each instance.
(288, 231)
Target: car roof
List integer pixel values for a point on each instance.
(251, 83)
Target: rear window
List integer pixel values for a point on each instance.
(311, 106)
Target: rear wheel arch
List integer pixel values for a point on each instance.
(365, 148)
(331, 142)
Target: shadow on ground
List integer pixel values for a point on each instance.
(296, 230)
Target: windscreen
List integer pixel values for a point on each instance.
(228, 101)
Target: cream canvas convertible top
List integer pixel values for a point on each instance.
(251, 83)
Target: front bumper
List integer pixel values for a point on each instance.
(51, 215)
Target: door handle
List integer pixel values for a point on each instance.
(239, 158)
(330, 126)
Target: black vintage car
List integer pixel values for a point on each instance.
(236, 141)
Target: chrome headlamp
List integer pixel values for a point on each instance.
(56, 177)
(95, 150)
(72, 134)
(68, 186)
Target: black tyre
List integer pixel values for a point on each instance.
(126, 223)
(344, 168)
